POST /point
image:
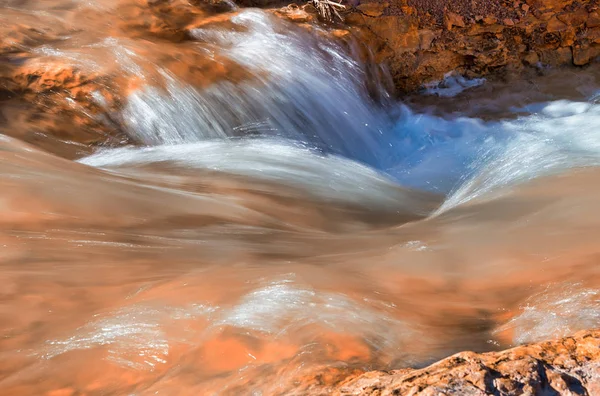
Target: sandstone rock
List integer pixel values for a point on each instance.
(570, 366)
(553, 5)
(293, 13)
(555, 25)
(556, 57)
(490, 20)
(406, 10)
(452, 19)
(426, 37)
(540, 31)
(567, 37)
(574, 18)
(477, 30)
(399, 33)
(582, 55)
(372, 9)
(593, 20)
(68, 107)
(593, 35)
(531, 59)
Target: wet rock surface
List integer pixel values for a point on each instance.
(51, 94)
(569, 366)
(63, 83)
(423, 40)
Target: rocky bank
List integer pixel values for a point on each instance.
(43, 95)
(421, 40)
(569, 366)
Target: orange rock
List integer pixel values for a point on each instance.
(452, 19)
(490, 20)
(556, 57)
(568, 366)
(593, 20)
(593, 35)
(481, 29)
(373, 9)
(582, 55)
(567, 38)
(555, 25)
(426, 38)
(293, 13)
(531, 58)
(553, 5)
(574, 18)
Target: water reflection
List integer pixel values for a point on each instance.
(274, 222)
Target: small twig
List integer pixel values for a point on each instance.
(328, 10)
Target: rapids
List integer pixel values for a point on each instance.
(259, 226)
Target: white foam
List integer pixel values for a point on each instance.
(326, 177)
(559, 311)
(301, 88)
(133, 335)
(562, 136)
(452, 85)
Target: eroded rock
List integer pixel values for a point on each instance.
(569, 366)
(476, 40)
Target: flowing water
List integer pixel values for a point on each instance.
(273, 218)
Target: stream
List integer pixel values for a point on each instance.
(266, 216)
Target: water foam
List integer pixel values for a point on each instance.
(328, 177)
(302, 88)
(558, 311)
(452, 85)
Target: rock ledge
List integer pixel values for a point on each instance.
(569, 366)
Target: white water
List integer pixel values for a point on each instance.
(302, 88)
(272, 226)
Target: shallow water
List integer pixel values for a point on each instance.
(258, 226)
